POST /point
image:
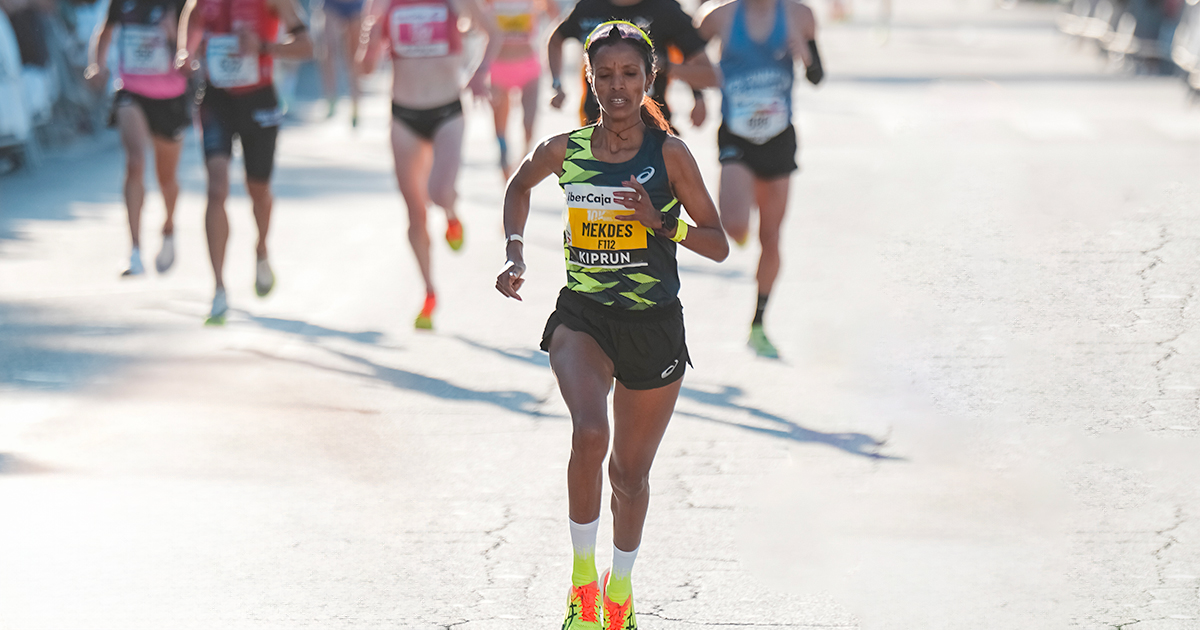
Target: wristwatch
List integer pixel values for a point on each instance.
(556, 83)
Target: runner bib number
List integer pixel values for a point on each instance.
(758, 116)
(595, 237)
(514, 18)
(144, 50)
(420, 30)
(227, 67)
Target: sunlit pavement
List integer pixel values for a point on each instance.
(986, 415)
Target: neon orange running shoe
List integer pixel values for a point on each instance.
(454, 234)
(583, 608)
(618, 616)
(425, 317)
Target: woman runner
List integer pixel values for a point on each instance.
(149, 108)
(760, 39)
(342, 23)
(427, 120)
(517, 67)
(626, 180)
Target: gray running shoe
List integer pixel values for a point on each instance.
(264, 278)
(166, 255)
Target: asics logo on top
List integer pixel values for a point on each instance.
(670, 368)
(645, 175)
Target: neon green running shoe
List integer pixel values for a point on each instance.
(220, 306)
(761, 345)
(583, 608)
(618, 616)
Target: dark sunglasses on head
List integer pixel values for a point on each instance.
(627, 30)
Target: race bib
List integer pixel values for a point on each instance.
(420, 30)
(144, 50)
(514, 18)
(595, 237)
(758, 116)
(228, 68)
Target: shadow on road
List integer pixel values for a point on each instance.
(12, 465)
(30, 360)
(532, 357)
(775, 426)
(305, 329)
(331, 180)
(512, 400)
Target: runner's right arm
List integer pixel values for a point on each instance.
(371, 41)
(191, 37)
(544, 161)
(98, 52)
(568, 28)
(297, 44)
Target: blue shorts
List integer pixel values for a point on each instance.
(344, 9)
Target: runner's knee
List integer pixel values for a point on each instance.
(625, 480)
(589, 438)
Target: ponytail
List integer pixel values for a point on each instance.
(652, 115)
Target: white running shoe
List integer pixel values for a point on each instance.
(166, 255)
(219, 307)
(135, 264)
(264, 278)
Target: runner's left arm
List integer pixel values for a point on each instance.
(802, 39)
(707, 237)
(485, 19)
(297, 44)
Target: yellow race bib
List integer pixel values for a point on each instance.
(595, 236)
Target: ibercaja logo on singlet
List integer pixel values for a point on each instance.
(595, 236)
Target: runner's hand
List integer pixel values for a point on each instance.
(638, 201)
(95, 76)
(556, 101)
(185, 64)
(509, 281)
(699, 112)
(479, 85)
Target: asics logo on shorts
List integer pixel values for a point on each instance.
(645, 175)
(670, 368)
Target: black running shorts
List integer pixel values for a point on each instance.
(167, 117)
(647, 348)
(253, 117)
(770, 160)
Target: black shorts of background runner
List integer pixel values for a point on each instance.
(425, 122)
(167, 117)
(647, 348)
(772, 159)
(253, 117)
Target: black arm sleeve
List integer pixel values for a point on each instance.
(114, 12)
(682, 33)
(570, 27)
(815, 72)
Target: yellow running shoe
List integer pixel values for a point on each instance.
(583, 608)
(618, 616)
(454, 234)
(425, 317)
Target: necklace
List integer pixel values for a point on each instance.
(618, 133)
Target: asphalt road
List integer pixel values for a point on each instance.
(986, 415)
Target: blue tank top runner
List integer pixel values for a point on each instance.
(756, 99)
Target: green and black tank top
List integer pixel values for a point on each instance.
(617, 263)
